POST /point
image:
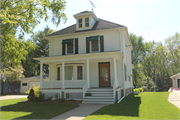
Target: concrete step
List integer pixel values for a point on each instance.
(97, 97)
(99, 100)
(101, 95)
(94, 102)
(100, 90)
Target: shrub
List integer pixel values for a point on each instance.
(56, 96)
(49, 98)
(61, 99)
(140, 89)
(31, 95)
(135, 90)
(40, 98)
(36, 90)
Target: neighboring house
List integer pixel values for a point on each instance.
(28, 82)
(176, 80)
(89, 61)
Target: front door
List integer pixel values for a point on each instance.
(104, 76)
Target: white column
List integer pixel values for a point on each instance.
(63, 74)
(41, 74)
(115, 70)
(87, 69)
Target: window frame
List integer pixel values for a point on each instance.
(86, 22)
(66, 48)
(80, 23)
(90, 46)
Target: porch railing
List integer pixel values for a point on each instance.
(52, 84)
(67, 84)
(74, 83)
(85, 88)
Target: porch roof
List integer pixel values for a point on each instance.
(84, 56)
(175, 75)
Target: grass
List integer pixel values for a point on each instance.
(16, 109)
(147, 105)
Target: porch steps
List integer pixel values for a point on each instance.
(99, 95)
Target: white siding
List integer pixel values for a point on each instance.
(120, 72)
(92, 21)
(94, 79)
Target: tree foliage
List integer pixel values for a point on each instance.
(32, 67)
(24, 16)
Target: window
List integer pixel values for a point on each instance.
(68, 72)
(58, 73)
(79, 73)
(87, 22)
(80, 23)
(70, 48)
(94, 45)
(24, 84)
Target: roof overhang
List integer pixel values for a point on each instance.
(82, 32)
(86, 14)
(175, 75)
(80, 57)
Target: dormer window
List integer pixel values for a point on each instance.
(80, 23)
(87, 22)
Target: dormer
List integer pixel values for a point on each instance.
(85, 20)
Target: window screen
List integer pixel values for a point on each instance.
(68, 72)
(79, 73)
(94, 45)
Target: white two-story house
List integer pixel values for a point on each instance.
(89, 61)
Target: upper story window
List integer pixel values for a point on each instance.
(80, 23)
(87, 22)
(94, 45)
(70, 48)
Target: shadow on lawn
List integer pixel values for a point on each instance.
(129, 106)
(38, 110)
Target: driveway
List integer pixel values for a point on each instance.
(80, 112)
(174, 98)
(12, 97)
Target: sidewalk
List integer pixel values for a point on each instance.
(12, 97)
(174, 98)
(80, 112)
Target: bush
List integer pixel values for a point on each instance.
(40, 98)
(49, 98)
(31, 95)
(61, 100)
(36, 90)
(140, 89)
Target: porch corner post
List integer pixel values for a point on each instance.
(41, 74)
(63, 75)
(115, 70)
(87, 67)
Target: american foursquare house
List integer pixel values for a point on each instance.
(89, 61)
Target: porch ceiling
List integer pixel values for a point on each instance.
(81, 57)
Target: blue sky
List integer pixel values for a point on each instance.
(151, 19)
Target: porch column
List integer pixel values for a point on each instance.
(115, 70)
(41, 74)
(87, 69)
(63, 75)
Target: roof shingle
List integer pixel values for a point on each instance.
(99, 25)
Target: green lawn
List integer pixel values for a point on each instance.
(147, 105)
(16, 109)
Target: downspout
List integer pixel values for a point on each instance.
(123, 66)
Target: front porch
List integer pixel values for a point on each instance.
(79, 74)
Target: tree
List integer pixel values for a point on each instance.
(12, 74)
(137, 57)
(32, 67)
(24, 16)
